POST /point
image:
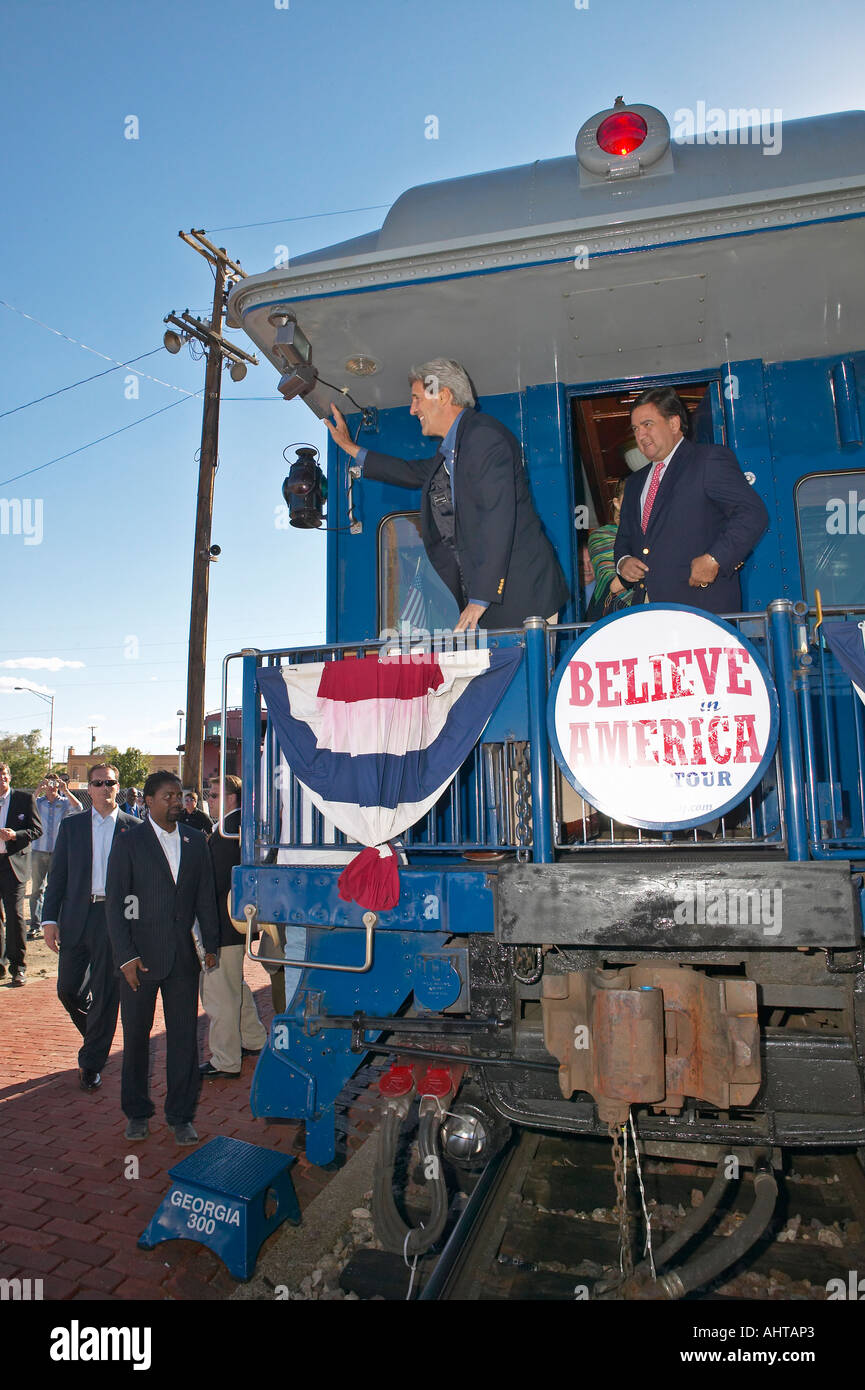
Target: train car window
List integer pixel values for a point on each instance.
(830, 518)
(409, 588)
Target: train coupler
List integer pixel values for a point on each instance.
(653, 1035)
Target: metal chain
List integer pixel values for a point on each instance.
(647, 1248)
(522, 784)
(626, 1260)
(527, 961)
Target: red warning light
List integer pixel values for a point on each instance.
(622, 133)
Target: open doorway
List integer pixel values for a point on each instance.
(606, 451)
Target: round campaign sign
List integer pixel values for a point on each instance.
(663, 717)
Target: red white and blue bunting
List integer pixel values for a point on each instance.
(375, 742)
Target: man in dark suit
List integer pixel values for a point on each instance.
(479, 526)
(73, 920)
(235, 1027)
(130, 805)
(193, 815)
(159, 882)
(19, 827)
(689, 520)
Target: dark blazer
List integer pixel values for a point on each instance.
(704, 506)
(67, 893)
(506, 557)
(151, 916)
(23, 818)
(224, 854)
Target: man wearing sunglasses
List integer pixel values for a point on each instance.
(73, 920)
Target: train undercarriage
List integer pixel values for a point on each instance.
(642, 993)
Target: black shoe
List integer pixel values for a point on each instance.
(137, 1129)
(88, 1079)
(210, 1072)
(185, 1133)
(35, 934)
(251, 1051)
(19, 977)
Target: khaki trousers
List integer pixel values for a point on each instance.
(228, 1003)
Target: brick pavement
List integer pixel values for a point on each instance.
(68, 1213)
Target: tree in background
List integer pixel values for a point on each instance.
(103, 753)
(132, 766)
(28, 761)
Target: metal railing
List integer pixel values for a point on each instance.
(476, 812)
(810, 802)
(832, 719)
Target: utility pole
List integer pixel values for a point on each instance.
(218, 351)
(49, 700)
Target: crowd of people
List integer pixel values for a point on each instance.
(134, 899)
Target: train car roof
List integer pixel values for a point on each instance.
(548, 191)
(531, 218)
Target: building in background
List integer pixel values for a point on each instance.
(78, 763)
(212, 726)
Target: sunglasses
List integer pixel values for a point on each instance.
(106, 783)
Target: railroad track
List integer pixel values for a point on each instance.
(540, 1225)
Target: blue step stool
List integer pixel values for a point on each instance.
(229, 1196)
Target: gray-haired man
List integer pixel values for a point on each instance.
(478, 524)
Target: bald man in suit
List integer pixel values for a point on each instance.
(160, 884)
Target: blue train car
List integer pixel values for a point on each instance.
(538, 955)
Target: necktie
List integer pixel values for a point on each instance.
(448, 461)
(652, 494)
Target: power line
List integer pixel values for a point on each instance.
(96, 353)
(308, 217)
(82, 382)
(100, 440)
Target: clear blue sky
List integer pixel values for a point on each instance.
(249, 113)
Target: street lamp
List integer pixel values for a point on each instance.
(49, 700)
(180, 717)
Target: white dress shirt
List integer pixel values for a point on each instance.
(648, 483)
(102, 833)
(170, 842)
(4, 811)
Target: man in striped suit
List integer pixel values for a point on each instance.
(160, 884)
